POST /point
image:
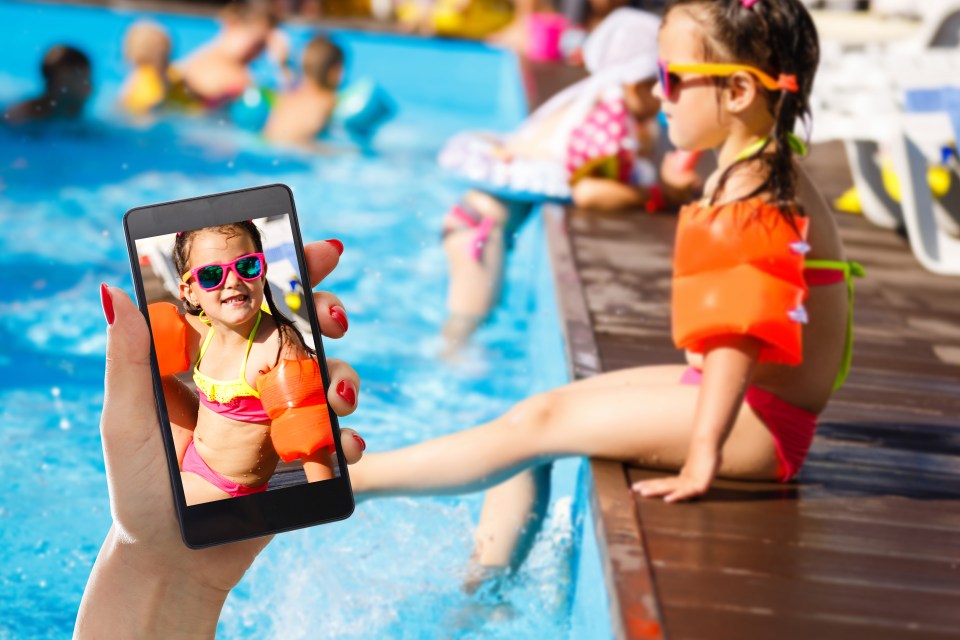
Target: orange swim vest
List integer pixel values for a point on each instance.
(738, 270)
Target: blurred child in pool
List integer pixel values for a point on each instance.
(301, 114)
(67, 85)
(597, 143)
(152, 82)
(242, 356)
(219, 71)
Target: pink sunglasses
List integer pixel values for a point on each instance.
(212, 276)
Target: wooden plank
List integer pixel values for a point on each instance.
(634, 609)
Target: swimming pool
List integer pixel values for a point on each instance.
(399, 562)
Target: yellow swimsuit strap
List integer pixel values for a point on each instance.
(850, 270)
(223, 390)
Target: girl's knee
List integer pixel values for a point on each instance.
(535, 416)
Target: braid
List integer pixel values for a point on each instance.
(777, 37)
(181, 260)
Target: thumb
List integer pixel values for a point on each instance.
(132, 446)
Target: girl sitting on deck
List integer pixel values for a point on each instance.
(761, 296)
(230, 445)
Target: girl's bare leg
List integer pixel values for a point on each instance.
(649, 424)
(513, 510)
(475, 285)
(511, 517)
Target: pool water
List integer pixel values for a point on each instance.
(394, 569)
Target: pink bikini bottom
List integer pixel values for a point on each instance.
(193, 463)
(792, 428)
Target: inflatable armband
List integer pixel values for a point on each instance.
(293, 396)
(738, 270)
(362, 108)
(145, 90)
(169, 330)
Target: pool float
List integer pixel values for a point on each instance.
(252, 108)
(602, 145)
(293, 396)
(362, 107)
(473, 19)
(738, 270)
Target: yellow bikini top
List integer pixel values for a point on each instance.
(223, 391)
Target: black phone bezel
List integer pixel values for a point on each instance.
(212, 523)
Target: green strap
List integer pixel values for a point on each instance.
(850, 270)
(243, 368)
(246, 355)
(796, 144)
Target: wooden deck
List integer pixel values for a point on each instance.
(866, 542)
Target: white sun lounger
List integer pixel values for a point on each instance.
(932, 224)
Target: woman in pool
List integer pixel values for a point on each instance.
(766, 328)
(240, 355)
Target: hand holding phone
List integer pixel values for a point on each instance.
(240, 378)
(144, 575)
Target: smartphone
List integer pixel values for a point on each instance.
(239, 372)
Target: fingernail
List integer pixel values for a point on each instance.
(107, 303)
(346, 391)
(363, 445)
(336, 245)
(339, 314)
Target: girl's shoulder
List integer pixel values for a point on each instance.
(741, 182)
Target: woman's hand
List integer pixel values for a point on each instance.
(145, 581)
(693, 480)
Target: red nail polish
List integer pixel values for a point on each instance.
(339, 315)
(360, 441)
(107, 303)
(346, 391)
(336, 245)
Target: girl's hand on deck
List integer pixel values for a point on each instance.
(693, 481)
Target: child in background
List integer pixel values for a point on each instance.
(67, 85)
(597, 142)
(152, 83)
(231, 445)
(218, 72)
(301, 114)
(761, 297)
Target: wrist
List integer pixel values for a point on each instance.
(133, 593)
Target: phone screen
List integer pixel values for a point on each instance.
(239, 371)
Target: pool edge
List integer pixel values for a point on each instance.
(628, 575)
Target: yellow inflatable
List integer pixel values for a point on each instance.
(473, 19)
(938, 178)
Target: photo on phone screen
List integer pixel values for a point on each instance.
(237, 292)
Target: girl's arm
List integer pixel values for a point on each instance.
(728, 366)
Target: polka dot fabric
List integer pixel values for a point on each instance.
(604, 145)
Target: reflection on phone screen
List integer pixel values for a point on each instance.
(241, 382)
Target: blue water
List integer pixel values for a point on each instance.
(394, 569)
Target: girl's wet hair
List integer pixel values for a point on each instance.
(777, 37)
(181, 260)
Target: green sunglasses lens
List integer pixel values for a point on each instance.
(249, 267)
(209, 277)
